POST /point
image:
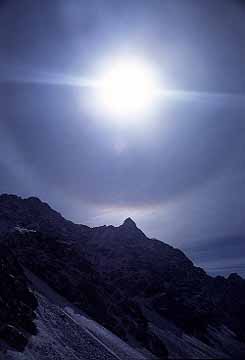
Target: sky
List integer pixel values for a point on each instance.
(179, 170)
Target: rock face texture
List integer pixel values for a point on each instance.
(66, 270)
(145, 291)
(165, 280)
(34, 214)
(17, 304)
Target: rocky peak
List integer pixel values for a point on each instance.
(5, 197)
(129, 223)
(234, 277)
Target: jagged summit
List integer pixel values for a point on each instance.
(129, 223)
(129, 227)
(235, 277)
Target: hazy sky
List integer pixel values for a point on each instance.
(180, 172)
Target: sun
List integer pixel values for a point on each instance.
(126, 87)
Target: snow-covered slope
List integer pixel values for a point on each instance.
(64, 332)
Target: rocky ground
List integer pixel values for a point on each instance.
(63, 332)
(17, 304)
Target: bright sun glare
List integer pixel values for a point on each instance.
(127, 88)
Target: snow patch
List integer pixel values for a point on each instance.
(24, 230)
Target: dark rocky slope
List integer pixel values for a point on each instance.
(34, 214)
(177, 290)
(140, 288)
(17, 304)
(66, 270)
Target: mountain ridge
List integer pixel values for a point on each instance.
(124, 280)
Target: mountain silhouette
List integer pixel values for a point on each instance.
(143, 290)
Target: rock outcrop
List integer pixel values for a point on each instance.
(17, 304)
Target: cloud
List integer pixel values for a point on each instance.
(220, 255)
(74, 152)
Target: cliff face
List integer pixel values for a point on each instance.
(145, 291)
(17, 303)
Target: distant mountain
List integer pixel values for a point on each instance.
(207, 253)
(145, 291)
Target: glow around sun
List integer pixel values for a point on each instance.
(126, 87)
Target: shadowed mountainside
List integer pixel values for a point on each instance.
(17, 304)
(141, 289)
